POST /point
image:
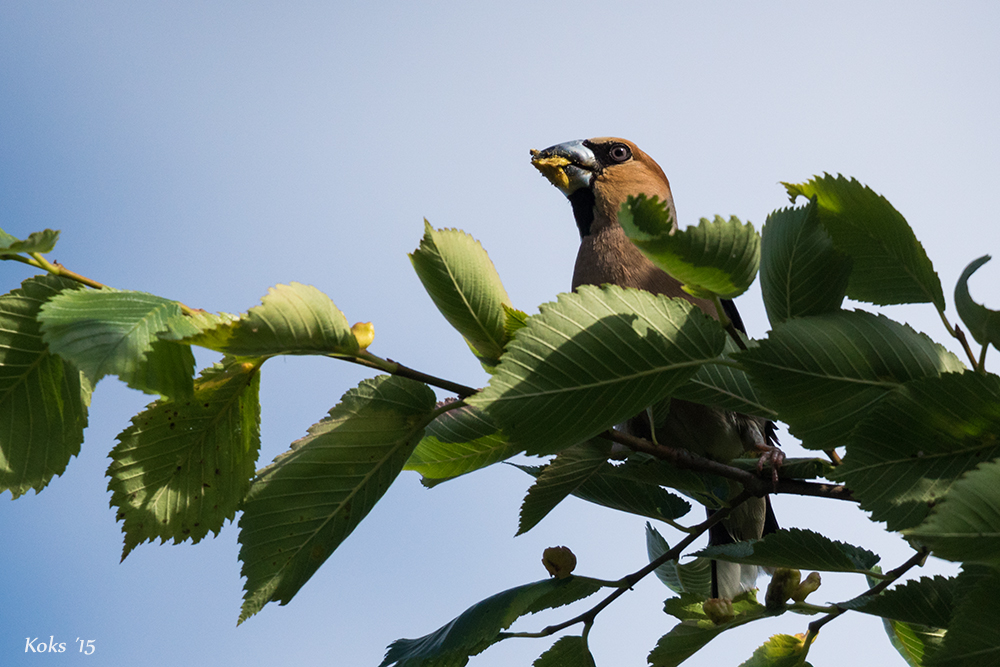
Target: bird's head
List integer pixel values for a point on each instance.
(598, 175)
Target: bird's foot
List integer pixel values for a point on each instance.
(771, 456)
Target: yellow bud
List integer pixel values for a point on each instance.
(559, 561)
(719, 610)
(784, 582)
(808, 585)
(364, 333)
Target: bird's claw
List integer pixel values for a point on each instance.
(771, 456)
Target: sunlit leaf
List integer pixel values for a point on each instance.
(779, 651)
(107, 332)
(43, 398)
(40, 242)
(292, 319)
(183, 467)
(716, 257)
(465, 286)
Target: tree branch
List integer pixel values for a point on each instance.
(890, 578)
(757, 486)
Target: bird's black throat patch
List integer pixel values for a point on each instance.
(582, 201)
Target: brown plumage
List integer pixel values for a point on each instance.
(597, 176)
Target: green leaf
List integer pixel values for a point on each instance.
(795, 548)
(688, 637)
(571, 468)
(823, 374)
(927, 602)
(791, 468)
(292, 319)
(40, 242)
(801, 273)
(983, 323)
(905, 456)
(716, 257)
(514, 320)
(457, 442)
(464, 285)
(725, 387)
(302, 506)
(479, 626)
(615, 488)
(107, 332)
(43, 398)
(570, 651)
(913, 642)
(593, 359)
(779, 651)
(972, 639)
(710, 490)
(694, 577)
(183, 467)
(965, 526)
(889, 264)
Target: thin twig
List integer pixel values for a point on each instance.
(888, 579)
(394, 368)
(627, 582)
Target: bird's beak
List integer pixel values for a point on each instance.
(569, 166)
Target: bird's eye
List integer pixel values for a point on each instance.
(619, 153)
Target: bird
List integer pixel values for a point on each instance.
(597, 176)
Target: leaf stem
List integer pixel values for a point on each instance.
(366, 358)
(957, 333)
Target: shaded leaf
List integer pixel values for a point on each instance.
(965, 526)
(972, 639)
(615, 489)
(724, 386)
(692, 577)
(716, 257)
(795, 548)
(43, 398)
(465, 286)
(801, 273)
(593, 359)
(481, 624)
(571, 468)
(302, 506)
(568, 651)
(107, 332)
(183, 467)
(40, 242)
(825, 373)
(927, 602)
(457, 442)
(292, 319)
(889, 264)
(792, 468)
(983, 323)
(906, 455)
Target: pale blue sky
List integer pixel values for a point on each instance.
(206, 151)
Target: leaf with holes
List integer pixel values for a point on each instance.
(184, 465)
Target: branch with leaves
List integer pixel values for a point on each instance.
(912, 431)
